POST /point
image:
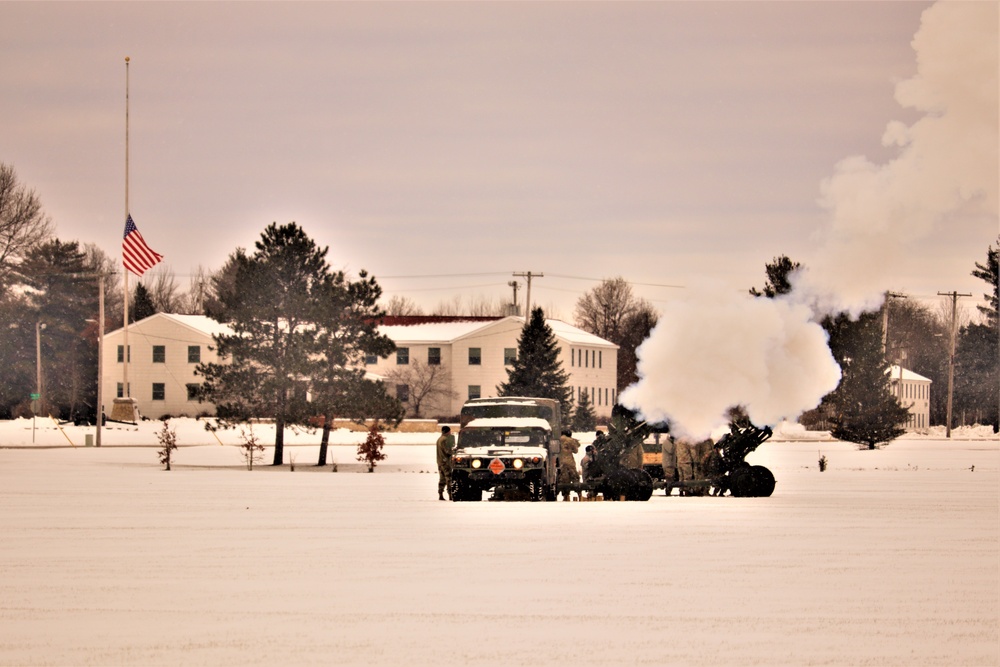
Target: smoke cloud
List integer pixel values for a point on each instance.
(945, 175)
(713, 351)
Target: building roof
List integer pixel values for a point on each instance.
(422, 330)
(894, 374)
(448, 330)
(199, 323)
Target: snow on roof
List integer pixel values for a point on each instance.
(431, 332)
(200, 323)
(439, 332)
(894, 374)
(575, 335)
(509, 422)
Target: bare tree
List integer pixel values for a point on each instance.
(603, 310)
(23, 223)
(612, 312)
(193, 301)
(426, 383)
(163, 290)
(100, 262)
(399, 306)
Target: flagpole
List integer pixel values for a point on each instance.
(125, 352)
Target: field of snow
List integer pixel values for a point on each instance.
(890, 557)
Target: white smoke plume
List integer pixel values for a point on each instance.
(944, 174)
(712, 352)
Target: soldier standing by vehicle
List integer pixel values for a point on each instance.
(568, 447)
(445, 448)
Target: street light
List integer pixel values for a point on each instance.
(39, 325)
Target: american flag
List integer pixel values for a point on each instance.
(136, 255)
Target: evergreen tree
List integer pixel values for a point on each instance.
(60, 304)
(270, 305)
(537, 371)
(142, 304)
(583, 416)
(864, 409)
(976, 376)
(346, 316)
(989, 273)
(779, 272)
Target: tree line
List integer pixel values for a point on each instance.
(308, 323)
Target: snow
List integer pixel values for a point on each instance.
(890, 557)
(509, 422)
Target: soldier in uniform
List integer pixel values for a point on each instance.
(445, 448)
(568, 447)
(668, 459)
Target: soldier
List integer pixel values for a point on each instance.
(568, 447)
(632, 457)
(445, 448)
(668, 459)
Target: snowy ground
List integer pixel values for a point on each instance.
(889, 557)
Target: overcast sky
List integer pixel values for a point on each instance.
(671, 143)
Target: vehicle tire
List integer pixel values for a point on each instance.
(627, 484)
(740, 482)
(463, 493)
(640, 487)
(762, 481)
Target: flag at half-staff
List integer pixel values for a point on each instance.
(136, 255)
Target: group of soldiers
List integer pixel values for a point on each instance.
(591, 465)
(684, 461)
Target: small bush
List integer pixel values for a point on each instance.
(252, 450)
(168, 439)
(822, 462)
(370, 451)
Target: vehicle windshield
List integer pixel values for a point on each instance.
(501, 437)
(481, 410)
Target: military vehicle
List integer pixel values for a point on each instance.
(507, 445)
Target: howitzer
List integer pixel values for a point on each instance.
(739, 477)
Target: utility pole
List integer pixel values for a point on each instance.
(951, 356)
(885, 337)
(515, 285)
(527, 277)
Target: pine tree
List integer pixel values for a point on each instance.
(865, 410)
(583, 417)
(142, 304)
(270, 304)
(537, 371)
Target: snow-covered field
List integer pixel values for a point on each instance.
(890, 557)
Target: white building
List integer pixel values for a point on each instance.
(475, 354)
(472, 353)
(914, 394)
(164, 351)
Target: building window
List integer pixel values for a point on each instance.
(600, 359)
(159, 391)
(475, 391)
(403, 392)
(572, 357)
(434, 356)
(509, 356)
(475, 356)
(159, 354)
(402, 356)
(121, 353)
(371, 359)
(194, 354)
(192, 391)
(120, 389)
